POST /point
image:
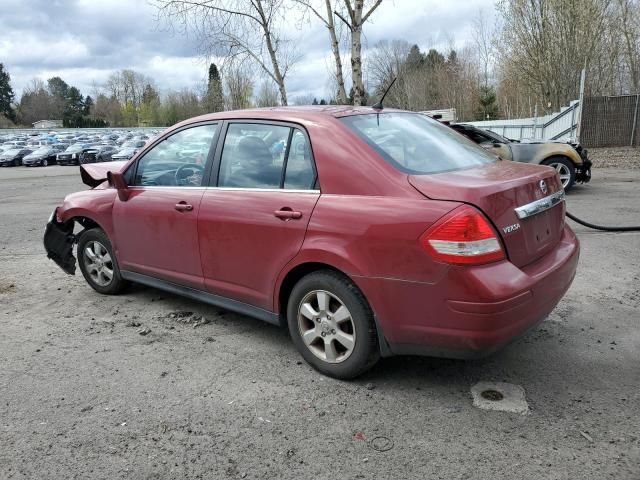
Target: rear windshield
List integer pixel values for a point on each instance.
(415, 143)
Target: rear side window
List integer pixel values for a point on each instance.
(300, 173)
(265, 156)
(417, 144)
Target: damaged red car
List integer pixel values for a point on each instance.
(365, 232)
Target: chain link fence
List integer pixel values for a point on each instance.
(611, 121)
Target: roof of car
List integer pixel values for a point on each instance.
(291, 113)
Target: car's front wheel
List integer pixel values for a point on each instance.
(45, 162)
(98, 263)
(566, 170)
(332, 325)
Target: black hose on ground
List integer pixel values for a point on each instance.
(600, 227)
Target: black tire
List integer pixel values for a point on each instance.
(45, 162)
(96, 280)
(16, 162)
(565, 165)
(364, 353)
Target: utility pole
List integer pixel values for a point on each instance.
(583, 77)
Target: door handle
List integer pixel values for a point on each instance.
(287, 214)
(183, 207)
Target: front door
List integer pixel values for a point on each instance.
(156, 228)
(254, 218)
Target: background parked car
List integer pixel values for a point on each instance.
(98, 153)
(71, 156)
(43, 156)
(569, 159)
(13, 157)
(124, 154)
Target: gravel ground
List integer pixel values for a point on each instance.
(206, 393)
(615, 157)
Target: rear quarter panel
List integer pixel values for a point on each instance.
(374, 237)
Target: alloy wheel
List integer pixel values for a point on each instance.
(563, 172)
(98, 263)
(326, 326)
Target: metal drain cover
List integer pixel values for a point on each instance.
(500, 396)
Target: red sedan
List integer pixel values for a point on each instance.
(366, 232)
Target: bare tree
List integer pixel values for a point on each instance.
(628, 14)
(484, 39)
(232, 28)
(326, 17)
(267, 94)
(388, 60)
(547, 43)
(357, 16)
(239, 86)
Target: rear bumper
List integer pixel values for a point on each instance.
(472, 311)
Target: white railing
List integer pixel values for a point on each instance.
(559, 125)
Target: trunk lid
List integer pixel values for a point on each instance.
(497, 189)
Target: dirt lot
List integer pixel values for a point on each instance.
(212, 394)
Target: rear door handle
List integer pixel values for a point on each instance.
(183, 207)
(287, 214)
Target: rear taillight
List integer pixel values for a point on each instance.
(465, 237)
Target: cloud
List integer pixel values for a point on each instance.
(83, 41)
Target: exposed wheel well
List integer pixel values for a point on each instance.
(86, 223)
(294, 275)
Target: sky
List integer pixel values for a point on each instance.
(83, 41)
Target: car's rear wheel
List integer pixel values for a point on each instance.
(566, 170)
(332, 325)
(98, 263)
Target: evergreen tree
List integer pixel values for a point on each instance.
(415, 58)
(488, 105)
(315, 101)
(6, 95)
(214, 100)
(323, 101)
(73, 108)
(88, 104)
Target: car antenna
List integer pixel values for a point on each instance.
(378, 106)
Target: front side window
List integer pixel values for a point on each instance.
(253, 155)
(415, 143)
(179, 160)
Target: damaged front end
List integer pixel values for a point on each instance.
(583, 172)
(58, 243)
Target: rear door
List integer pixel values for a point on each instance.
(156, 228)
(254, 217)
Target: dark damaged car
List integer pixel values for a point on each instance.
(569, 159)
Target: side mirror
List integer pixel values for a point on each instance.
(496, 145)
(116, 180)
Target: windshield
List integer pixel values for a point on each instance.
(13, 151)
(497, 137)
(42, 150)
(415, 143)
(74, 148)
